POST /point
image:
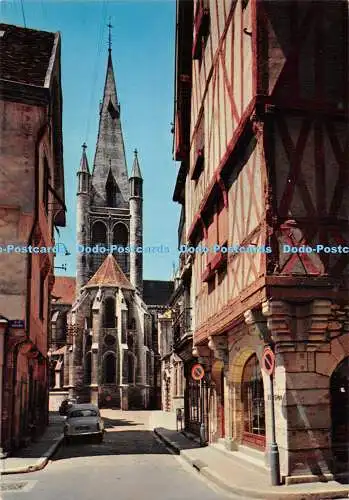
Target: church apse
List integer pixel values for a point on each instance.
(112, 359)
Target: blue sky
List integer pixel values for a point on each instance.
(143, 57)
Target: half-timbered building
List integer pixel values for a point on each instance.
(261, 134)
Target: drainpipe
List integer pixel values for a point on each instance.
(3, 329)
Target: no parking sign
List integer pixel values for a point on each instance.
(268, 361)
(197, 372)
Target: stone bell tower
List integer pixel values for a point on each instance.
(109, 204)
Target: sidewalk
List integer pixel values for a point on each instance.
(240, 477)
(37, 454)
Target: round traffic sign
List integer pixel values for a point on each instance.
(197, 372)
(268, 361)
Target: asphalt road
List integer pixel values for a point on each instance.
(131, 464)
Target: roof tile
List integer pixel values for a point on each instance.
(64, 289)
(109, 274)
(25, 54)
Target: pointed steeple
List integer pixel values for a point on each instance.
(136, 171)
(84, 161)
(110, 150)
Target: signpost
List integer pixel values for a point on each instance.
(268, 365)
(197, 372)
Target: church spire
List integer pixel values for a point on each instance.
(110, 150)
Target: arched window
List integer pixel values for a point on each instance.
(109, 313)
(339, 389)
(87, 369)
(61, 329)
(253, 403)
(109, 368)
(131, 368)
(99, 237)
(120, 238)
(110, 190)
(88, 342)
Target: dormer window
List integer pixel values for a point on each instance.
(112, 111)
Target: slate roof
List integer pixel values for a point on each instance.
(25, 54)
(109, 274)
(157, 292)
(64, 289)
(110, 150)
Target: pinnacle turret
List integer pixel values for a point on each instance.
(84, 162)
(136, 171)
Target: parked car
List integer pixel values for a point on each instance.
(66, 405)
(84, 420)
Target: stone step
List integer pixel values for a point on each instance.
(252, 452)
(243, 455)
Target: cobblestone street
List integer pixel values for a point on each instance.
(130, 464)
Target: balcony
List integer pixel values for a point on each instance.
(182, 325)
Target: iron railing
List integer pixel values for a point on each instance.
(182, 324)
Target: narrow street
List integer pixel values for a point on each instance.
(130, 464)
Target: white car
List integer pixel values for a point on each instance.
(84, 420)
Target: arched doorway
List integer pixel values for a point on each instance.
(252, 393)
(339, 389)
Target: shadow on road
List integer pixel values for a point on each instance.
(115, 443)
(116, 422)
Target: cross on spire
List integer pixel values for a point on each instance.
(109, 36)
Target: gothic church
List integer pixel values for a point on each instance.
(104, 340)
